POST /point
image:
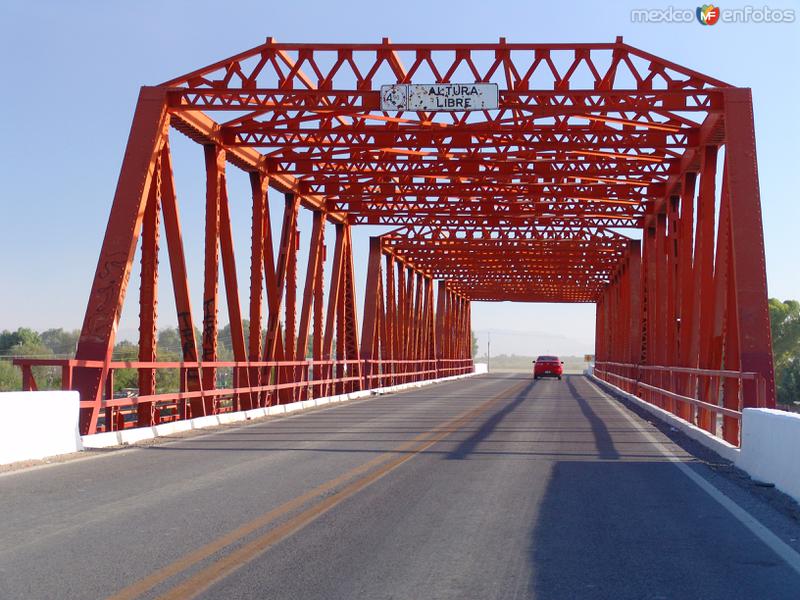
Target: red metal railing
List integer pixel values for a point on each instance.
(679, 390)
(253, 384)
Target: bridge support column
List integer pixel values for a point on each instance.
(748, 294)
(240, 376)
(215, 167)
(189, 377)
(148, 298)
(96, 342)
(262, 265)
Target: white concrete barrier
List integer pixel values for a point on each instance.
(771, 448)
(138, 434)
(770, 442)
(35, 425)
(481, 368)
(255, 413)
(234, 417)
(172, 427)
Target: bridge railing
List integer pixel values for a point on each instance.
(239, 385)
(708, 398)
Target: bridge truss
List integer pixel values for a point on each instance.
(607, 175)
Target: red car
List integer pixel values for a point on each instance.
(548, 366)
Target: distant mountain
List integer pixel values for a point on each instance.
(531, 343)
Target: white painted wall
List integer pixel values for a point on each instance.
(771, 448)
(36, 425)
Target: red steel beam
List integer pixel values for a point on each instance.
(751, 312)
(96, 341)
(148, 296)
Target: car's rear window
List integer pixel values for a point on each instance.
(546, 358)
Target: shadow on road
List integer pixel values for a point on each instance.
(602, 437)
(467, 446)
(629, 529)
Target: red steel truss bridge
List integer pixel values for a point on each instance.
(604, 175)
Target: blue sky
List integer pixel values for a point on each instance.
(72, 73)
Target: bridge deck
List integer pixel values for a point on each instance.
(493, 487)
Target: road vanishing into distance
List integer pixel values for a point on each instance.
(492, 487)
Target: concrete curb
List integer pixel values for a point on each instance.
(139, 434)
(713, 443)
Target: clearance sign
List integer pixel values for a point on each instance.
(437, 97)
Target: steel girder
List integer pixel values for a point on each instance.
(521, 203)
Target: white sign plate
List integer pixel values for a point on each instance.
(438, 97)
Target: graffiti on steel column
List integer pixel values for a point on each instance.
(187, 335)
(108, 284)
(209, 327)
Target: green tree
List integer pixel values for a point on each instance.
(171, 350)
(785, 326)
(474, 344)
(6, 340)
(12, 341)
(27, 343)
(787, 381)
(60, 342)
(10, 377)
(310, 345)
(784, 318)
(224, 340)
(168, 380)
(169, 340)
(126, 378)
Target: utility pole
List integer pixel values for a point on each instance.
(488, 350)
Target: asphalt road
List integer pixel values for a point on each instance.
(490, 487)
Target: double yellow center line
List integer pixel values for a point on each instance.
(327, 497)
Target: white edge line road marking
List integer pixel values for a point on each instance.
(773, 542)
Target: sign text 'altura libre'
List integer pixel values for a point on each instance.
(439, 97)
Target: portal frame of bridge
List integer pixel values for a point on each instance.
(525, 203)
